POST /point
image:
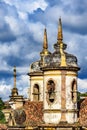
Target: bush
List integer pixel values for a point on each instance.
(2, 117)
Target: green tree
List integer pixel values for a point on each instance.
(2, 117)
(78, 96)
(2, 106)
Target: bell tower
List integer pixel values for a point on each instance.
(60, 84)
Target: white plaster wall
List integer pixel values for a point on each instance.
(52, 118)
(57, 80)
(69, 103)
(36, 80)
(72, 116)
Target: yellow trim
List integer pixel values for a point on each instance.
(71, 75)
(36, 79)
(63, 58)
(49, 128)
(59, 111)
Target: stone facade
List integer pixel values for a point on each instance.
(52, 103)
(53, 80)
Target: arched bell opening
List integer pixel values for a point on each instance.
(74, 91)
(36, 92)
(51, 91)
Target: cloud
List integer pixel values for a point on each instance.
(82, 85)
(6, 87)
(27, 6)
(5, 90)
(21, 33)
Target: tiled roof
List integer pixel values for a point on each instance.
(83, 113)
(34, 113)
(3, 127)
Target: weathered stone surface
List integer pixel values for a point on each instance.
(83, 113)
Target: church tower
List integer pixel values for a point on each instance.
(60, 84)
(53, 80)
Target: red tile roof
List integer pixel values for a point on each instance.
(83, 113)
(3, 127)
(34, 112)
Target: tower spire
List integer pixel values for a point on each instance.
(60, 35)
(14, 76)
(44, 51)
(45, 42)
(14, 89)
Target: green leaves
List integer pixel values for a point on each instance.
(1, 104)
(2, 117)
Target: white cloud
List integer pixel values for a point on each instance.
(23, 15)
(22, 85)
(82, 85)
(32, 55)
(28, 5)
(8, 49)
(5, 90)
(4, 66)
(36, 29)
(14, 24)
(22, 70)
(16, 15)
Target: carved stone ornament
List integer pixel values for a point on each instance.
(19, 116)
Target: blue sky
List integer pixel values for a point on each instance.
(22, 23)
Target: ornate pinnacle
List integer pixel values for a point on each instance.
(14, 76)
(60, 35)
(45, 42)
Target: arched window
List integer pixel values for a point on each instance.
(36, 93)
(74, 91)
(51, 91)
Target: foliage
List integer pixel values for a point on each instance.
(2, 106)
(2, 117)
(79, 95)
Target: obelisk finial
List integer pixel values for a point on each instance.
(14, 76)
(60, 35)
(45, 42)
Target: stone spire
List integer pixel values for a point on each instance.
(60, 35)
(44, 51)
(14, 76)
(45, 42)
(14, 90)
(45, 45)
(60, 42)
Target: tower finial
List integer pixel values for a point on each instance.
(45, 42)
(14, 76)
(60, 35)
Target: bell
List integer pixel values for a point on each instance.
(51, 97)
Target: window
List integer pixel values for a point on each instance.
(74, 91)
(51, 91)
(36, 93)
